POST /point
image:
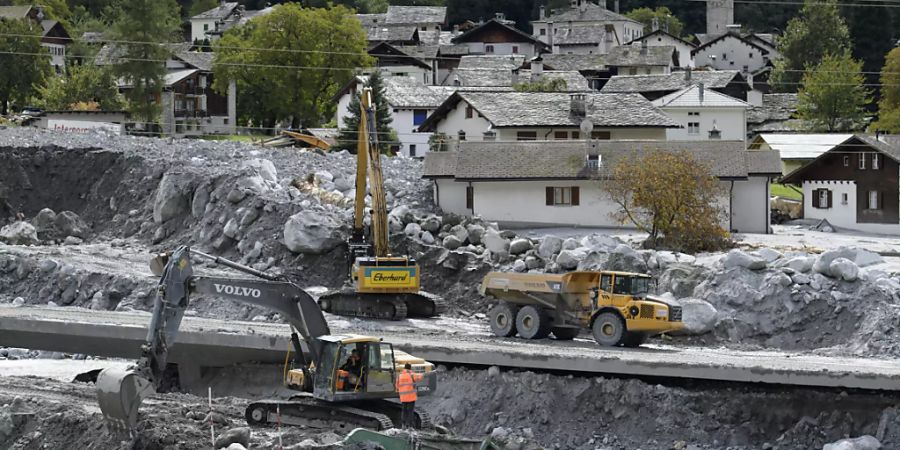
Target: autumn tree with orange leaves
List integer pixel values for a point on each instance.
(670, 196)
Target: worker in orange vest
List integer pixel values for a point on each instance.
(406, 386)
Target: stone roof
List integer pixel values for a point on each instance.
(743, 39)
(371, 20)
(219, 12)
(454, 50)
(416, 14)
(713, 79)
(580, 35)
(14, 12)
(546, 109)
(587, 12)
(423, 52)
(391, 33)
(690, 97)
(491, 62)
(775, 107)
(635, 55)
(661, 32)
(480, 160)
(472, 34)
(559, 61)
(575, 81)
(199, 60)
(479, 77)
(409, 92)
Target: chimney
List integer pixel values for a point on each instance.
(700, 91)
(577, 107)
(654, 25)
(455, 31)
(537, 68)
(644, 46)
(687, 75)
(715, 133)
(500, 16)
(543, 13)
(734, 28)
(616, 7)
(550, 31)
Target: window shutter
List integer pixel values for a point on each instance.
(815, 198)
(575, 195)
(470, 197)
(549, 196)
(830, 198)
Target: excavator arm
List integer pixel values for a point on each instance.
(120, 392)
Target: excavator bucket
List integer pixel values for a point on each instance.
(120, 393)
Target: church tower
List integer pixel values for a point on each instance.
(719, 14)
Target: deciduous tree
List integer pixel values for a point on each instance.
(82, 84)
(23, 62)
(832, 95)
(664, 18)
(145, 26)
(289, 63)
(670, 196)
(819, 30)
(889, 106)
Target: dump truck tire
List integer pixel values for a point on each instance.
(608, 329)
(633, 339)
(532, 323)
(503, 319)
(565, 334)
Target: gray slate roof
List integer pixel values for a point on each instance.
(200, 60)
(635, 55)
(416, 14)
(454, 50)
(491, 62)
(478, 160)
(390, 33)
(219, 12)
(591, 12)
(370, 20)
(545, 109)
(775, 107)
(575, 81)
(574, 62)
(408, 92)
(712, 79)
(479, 77)
(579, 35)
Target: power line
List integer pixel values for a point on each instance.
(879, 4)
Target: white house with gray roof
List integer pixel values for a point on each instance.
(728, 82)
(704, 115)
(586, 19)
(552, 183)
(529, 116)
(206, 24)
(660, 38)
(641, 59)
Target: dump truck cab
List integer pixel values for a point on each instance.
(616, 306)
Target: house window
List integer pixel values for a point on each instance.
(875, 161)
(576, 135)
(526, 135)
(562, 196)
(489, 49)
(462, 135)
(821, 198)
(862, 161)
(470, 112)
(205, 27)
(693, 127)
(632, 71)
(601, 135)
(412, 149)
(751, 55)
(515, 49)
(470, 197)
(593, 162)
(846, 161)
(419, 116)
(560, 135)
(873, 200)
(543, 32)
(844, 198)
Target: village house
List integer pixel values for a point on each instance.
(405, 25)
(505, 72)
(400, 61)
(553, 183)
(855, 185)
(798, 149)
(496, 37)
(592, 67)
(732, 51)
(207, 24)
(530, 116)
(774, 114)
(54, 36)
(728, 82)
(641, 59)
(660, 38)
(704, 115)
(582, 22)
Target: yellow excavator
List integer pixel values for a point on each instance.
(328, 390)
(383, 285)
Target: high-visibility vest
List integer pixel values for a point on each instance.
(406, 386)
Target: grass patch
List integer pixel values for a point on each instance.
(781, 190)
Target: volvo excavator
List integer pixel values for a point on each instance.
(327, 392)
(382, 285)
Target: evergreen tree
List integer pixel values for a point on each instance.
(146, 25)
(832, 95)
(818, 31)
(386, 135)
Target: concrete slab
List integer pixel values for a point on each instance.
(211, 342)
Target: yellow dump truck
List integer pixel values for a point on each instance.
(615, 306)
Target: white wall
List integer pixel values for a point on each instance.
(840, 215)
(684, 50)
(456, 120)
(450, 196)
(197, 31)
(750, 205)
(524, 202)
(502, 48)
(732, 122)
(57, 56)
(420, 73)
(737, 55)
(510, 134)
(403, 124)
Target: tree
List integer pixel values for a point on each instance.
(348, 136)
(832, 95)
(664, 18)
(145, 25)
(81, 85)
(545, 84)
(889, 106)
(53, 9)
(818, 31)
(200, 6)
(670, 196)
(23, 62)
(310, 52)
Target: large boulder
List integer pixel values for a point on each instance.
(476, 233)
(460, 232)
(240, 435)
(19, 233)
(431, 224)
(451, 242)
(569, 259)
(519, 246)
(550, 245)
(494, 242)
(769, 255)
(173, 196)
(263, 168)
(699, 316)
(599, 242)
(69, 224)
(861, 443)
(800, 264)
(823, 262)
(402, 214)
(737, 258)
(312, 232)
(570, 244)
(866, 258)
(843, 269)
(626, 259)
(412, 229)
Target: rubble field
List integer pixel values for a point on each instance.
(97, 206)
